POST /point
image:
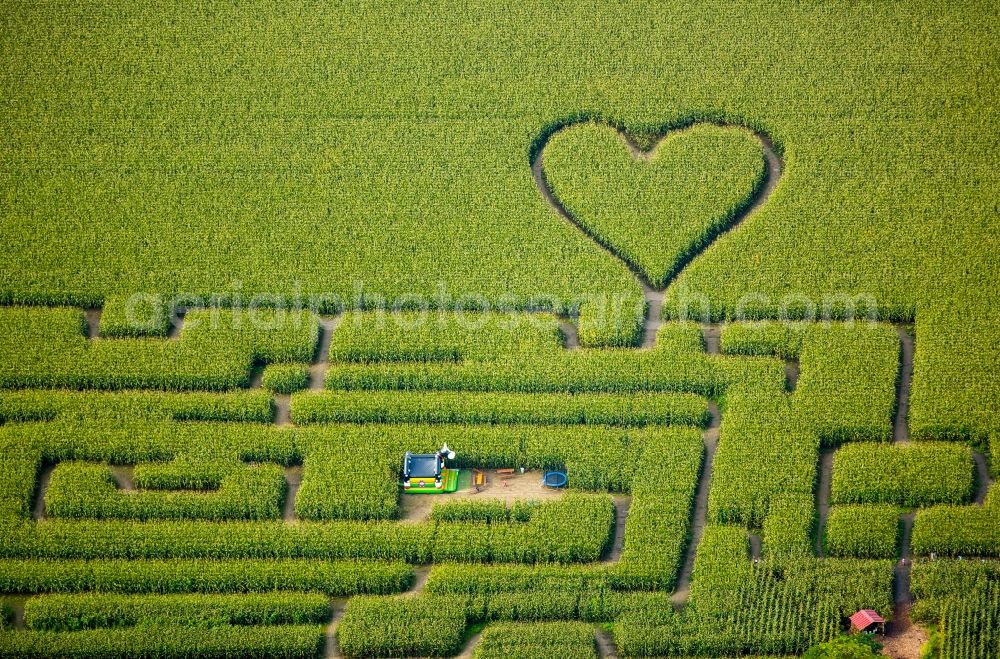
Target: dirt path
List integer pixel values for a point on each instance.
(823, 495)
(903, 640)
(756, 543)
(901, 435)
(901, 583)
(470, 646)
(44, 477)
(983, 478)
(711, 439)
(293, 475)
(321, 360)
(331, 648)
(176, 324)
(571, 334)
(622, 504)
(17, 603)
(93, 318)
(420, 576)
(775, 166)
(317, 372)
(256, 376)
(654, 315)
(282, 410)
(713, 338)
(791, 375)
(900, 427)
(123, 476)
(653, 295)
(606, 648)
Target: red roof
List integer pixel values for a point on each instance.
(865, 618)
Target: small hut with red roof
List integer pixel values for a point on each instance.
(867, 621)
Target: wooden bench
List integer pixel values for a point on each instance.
(506, 472)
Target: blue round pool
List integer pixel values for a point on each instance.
(554, 479)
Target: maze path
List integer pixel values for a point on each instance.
(901, 426)
(983, 478)
(321, 360)
(711, 337)
(823, 496)
(901, 435)
(622, 504)
(711, 439)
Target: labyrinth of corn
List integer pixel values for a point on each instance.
(728, 265)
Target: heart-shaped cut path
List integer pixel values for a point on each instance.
(658, 208)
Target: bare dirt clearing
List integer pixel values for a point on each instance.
(904, 639)
(505, 487)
